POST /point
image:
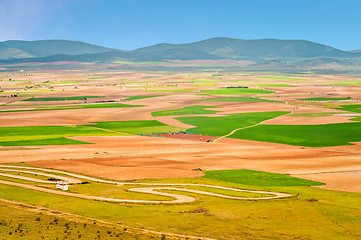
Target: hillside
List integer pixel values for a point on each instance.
(230, 48)
(13, 49)
(214, 48)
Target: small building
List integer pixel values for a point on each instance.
(62, 185)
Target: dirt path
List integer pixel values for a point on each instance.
(233, 131)
(69, 180)
(150, 190)
(25, 178)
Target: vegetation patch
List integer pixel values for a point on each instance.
(190, 110)
(47, 135)
(98, 77)
(321, 114)
(257, 178)
(237, 91)
(56, 135)
(84, 106)
(39, 142)
(275, 85)
(325, 135)
(325, 99)
(238, 99)
(171, 90)
(141, 97)
(61, 98)
(282, 78)
(351, 108)
(219, 126)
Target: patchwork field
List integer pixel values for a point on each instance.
(179, 155)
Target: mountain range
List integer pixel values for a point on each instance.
(215, 48)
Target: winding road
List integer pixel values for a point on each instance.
(154, 188)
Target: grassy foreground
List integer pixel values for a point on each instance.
(21, 222)
(313, 214)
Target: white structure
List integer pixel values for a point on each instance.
(63, 185)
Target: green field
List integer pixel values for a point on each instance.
(84, 106)
(47, 135)
(257, 178)
(304, 135)
(141, 97)
(351, 108)
(171, 90)
(275, 85)
(138, 127)
(238, 99)
(61, 98)
(282, 78)
(237, 91)
(56, 135)
(45, 141)
(325, 99)
(190, 110)
(219, 126)
(97, 77)
(321, 114)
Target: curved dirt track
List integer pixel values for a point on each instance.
(235, 130)
(149, 190)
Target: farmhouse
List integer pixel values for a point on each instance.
(62, 185)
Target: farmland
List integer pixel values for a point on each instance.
(157, 154)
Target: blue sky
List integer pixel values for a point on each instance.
(130, 24)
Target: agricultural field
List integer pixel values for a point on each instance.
(157, 154)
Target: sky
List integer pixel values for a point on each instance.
(130, 24)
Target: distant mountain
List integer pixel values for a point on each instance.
(229, 48)
(24, 49)
(355, 51)
(215, 48)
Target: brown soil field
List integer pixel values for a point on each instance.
(291, 120)
(185, 136)
(239, 107)
(343, 181)
(135, 157)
